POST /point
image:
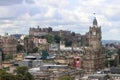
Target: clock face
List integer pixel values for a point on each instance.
(93, 33)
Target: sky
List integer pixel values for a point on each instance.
(17, 16)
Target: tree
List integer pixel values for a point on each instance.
(2, 72)
(35, 50)
(44, 54)
(28, 76)
(6, 76)
(113, 63)
(107, 62)
(65, 78)
(57, 39)
(23, 74)
(19, 48)
(21, 70)
(112, 45)
(8, 57)
(106, 45)
(41, 47)
(49, 29)
(49, 38)
(73, 33)
(68, 43)
(18, 77)
(119, 54)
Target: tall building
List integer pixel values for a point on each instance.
(94, 56)
(94, 35)
(8, 45)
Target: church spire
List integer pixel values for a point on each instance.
(95, 20)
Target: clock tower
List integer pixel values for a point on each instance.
(95, 35)
(94, 57)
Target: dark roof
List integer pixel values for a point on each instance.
(98, 76)
(115, 70)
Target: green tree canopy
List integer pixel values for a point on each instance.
(66, 78)
(8, 57)
(49, 38)
(35, 50)
(21, 70)
(23, 74)
(57, 38)
(2, 72)
(68, 43)
(44, 54)
(6, 76)
(19, 48)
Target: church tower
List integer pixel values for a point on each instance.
(95, 35)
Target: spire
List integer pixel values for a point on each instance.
(95, 20)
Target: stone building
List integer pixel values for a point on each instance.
(38, 32)
(8, 45)
(63, 34)
(29, 44)
(102, 77)
(56, 74)
(94, 56)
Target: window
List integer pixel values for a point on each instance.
(93, 33)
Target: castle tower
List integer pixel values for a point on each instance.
(95, 35)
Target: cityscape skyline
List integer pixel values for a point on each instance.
(18, 16)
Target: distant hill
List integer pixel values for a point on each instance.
(17, 36)
(110, 41)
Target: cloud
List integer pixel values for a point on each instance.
(114, 31)
(10, 2)
(17, 16)
(15, 2)
(111, 34)
(29, 1)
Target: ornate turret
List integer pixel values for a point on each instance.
(95, 22)
(95, 35)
